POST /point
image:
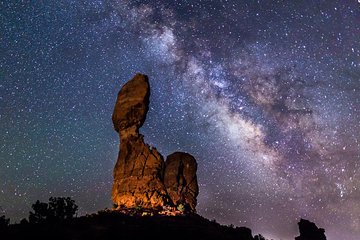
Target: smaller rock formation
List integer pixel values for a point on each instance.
(309, 231)
(180, 179)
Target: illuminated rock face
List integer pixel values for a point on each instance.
(132, 104)
(140, 170)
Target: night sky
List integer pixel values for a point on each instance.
(264, 94)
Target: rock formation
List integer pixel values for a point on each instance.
(180, 179)
(140, 169)
(309, 231)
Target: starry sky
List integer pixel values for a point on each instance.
(265, 94)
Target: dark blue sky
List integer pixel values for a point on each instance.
(265, 95)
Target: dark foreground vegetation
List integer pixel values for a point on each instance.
(57, 220)
(112, 224)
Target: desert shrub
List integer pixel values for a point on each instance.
(58, 209)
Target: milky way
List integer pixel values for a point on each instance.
(265, 95)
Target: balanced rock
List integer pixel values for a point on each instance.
(132, 104)
(309, 231)
(138, 170)
(140, 176)
(180, 179)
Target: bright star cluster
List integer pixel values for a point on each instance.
(264, 94)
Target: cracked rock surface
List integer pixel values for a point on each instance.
(180, 179)
(140, 169)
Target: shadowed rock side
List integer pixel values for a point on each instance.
(180, 179)
(309, 231)
(139, 170)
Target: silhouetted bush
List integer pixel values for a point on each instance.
(4, 222)
(62, 208)
(58, 209)
(40, 214)
(259, 237)
(24, 221)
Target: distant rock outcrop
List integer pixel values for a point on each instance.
(309, 231)
(139, 170)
